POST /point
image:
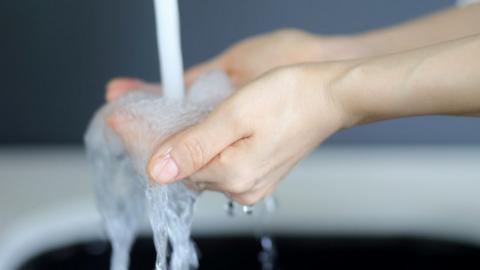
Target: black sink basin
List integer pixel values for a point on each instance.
(232, 253)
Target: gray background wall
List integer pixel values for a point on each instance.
(56, 56)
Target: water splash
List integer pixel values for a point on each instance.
(119, 151)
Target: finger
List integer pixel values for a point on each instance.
(231, 170)
(247, 187)
(191, 149)
(194, 72)
(263, 188)
(119, 86)
(252, 197)
(200, 186)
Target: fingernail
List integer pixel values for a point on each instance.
(165, 170)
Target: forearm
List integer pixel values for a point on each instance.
(442, 79)
(449, 24)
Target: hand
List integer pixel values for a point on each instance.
(251, 141)
(256, 55)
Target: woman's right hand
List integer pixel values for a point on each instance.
(252, 57)
(251, 140)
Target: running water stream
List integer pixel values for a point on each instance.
(169, 47)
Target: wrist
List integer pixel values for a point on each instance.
(325, 83)
(342, 47)
(342, 85)
(373, 89)
(363, 90)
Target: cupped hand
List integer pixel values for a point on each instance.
(253, 139)
(250, 58)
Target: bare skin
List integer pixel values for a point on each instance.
(253, 56)
(240, 148)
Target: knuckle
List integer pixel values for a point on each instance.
(240, 183)
(238, 178)
(234, 114)
(246, 199)
(225, 160)
(236, 187)
(195, 152)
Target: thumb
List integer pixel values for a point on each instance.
(188, 151)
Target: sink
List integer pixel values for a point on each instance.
(376, 207)
(313, 252)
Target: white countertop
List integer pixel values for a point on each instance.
(46, 196)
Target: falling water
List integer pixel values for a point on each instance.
(169, 47)
(268, 254)
(119, 153)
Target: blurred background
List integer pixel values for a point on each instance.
(56, 57)
(414, 177)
